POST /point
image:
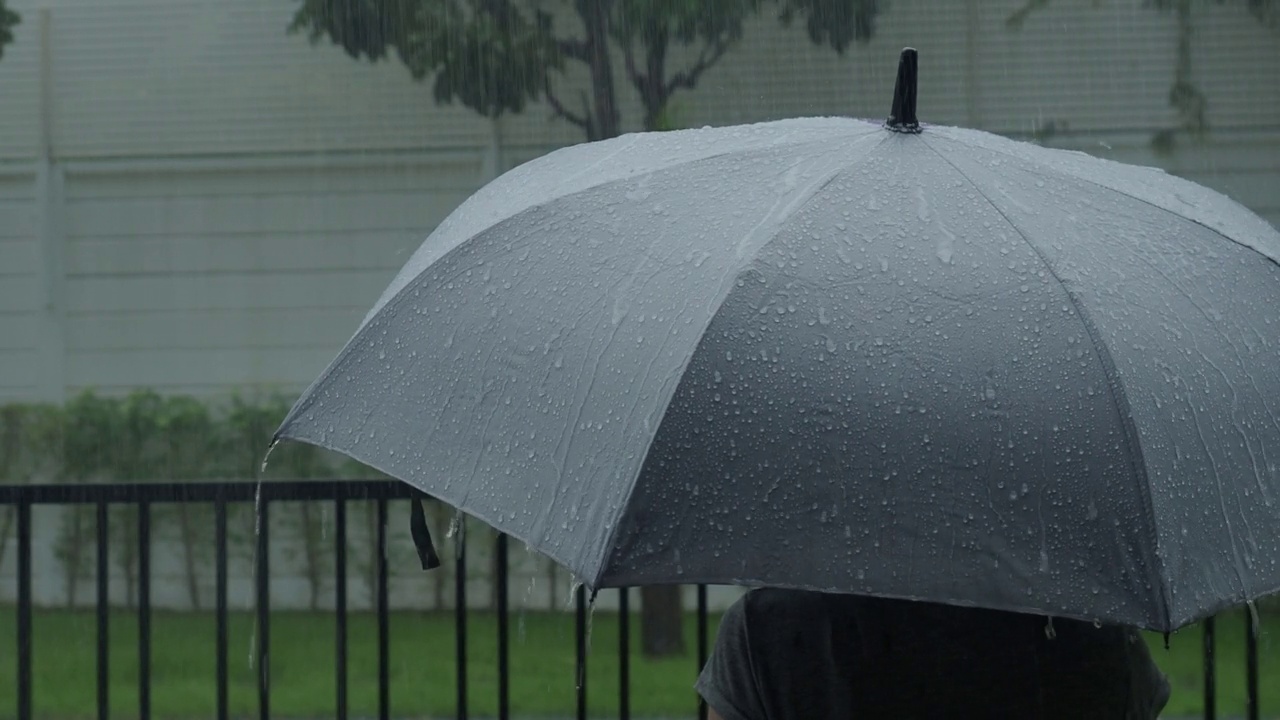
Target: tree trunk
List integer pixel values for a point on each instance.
(6, 524)
(661, 621)
(553, 582)
(129, 561)
(311, 554)
(73, 553)
(371, 567)
(189, 554)
(604, 122)
(652, 90)
(494, 570)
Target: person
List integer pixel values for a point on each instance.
(798, 655)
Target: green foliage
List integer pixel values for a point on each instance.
(8, 20)
(493, 57)
(837, 23)
(24, 431)
(145, 437)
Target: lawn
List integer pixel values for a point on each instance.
(422, 669)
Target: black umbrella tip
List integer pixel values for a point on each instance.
(902, 118)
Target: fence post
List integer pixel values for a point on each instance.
(24, 610)
(504, 664)
(1251, 663)
(220, 611)
(384, 633)
(263, 590)
(144, 610)
(340, 603)
(1210, 672)
(104, 611)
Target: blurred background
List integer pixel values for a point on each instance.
(200, 200)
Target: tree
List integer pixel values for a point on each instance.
(8, 20)
(1184, 97)
(497, 56)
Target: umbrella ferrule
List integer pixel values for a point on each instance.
(902, 117)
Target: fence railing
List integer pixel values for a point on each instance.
(221, 494)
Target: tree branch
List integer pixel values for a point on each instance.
(1019, 16)
(562, 111)
(709, 56)
(633, 71)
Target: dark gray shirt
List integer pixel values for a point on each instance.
(793, 655)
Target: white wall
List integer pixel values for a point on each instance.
(212, 278)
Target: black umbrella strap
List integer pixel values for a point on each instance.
(422, 536)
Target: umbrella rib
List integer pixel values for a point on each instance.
(1116, 190)
(1119, 399)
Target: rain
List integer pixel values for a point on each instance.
(918, 339)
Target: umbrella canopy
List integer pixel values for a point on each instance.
(931, 363)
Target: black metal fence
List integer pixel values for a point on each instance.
(221, 494)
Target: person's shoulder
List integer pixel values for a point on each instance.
(777, 605)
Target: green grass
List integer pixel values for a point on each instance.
(422, 669)
(1183, 662)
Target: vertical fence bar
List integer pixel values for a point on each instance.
(24, 610)
(702, 643)
(103, 612)
(220, 611)
(580, 634)
(460, 611)
(1251, 663)
(504, 686)
(340, 602)
(262, 582)
(624, 653)
(144, 610)
(384, 683)
(1210, 672)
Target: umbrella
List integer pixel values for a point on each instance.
(891, 359)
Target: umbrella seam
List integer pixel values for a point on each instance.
(1076, 176)
(1119, 397)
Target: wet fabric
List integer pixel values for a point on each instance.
(794, 655)
(818, 354)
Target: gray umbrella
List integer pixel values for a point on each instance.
(926, 363)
